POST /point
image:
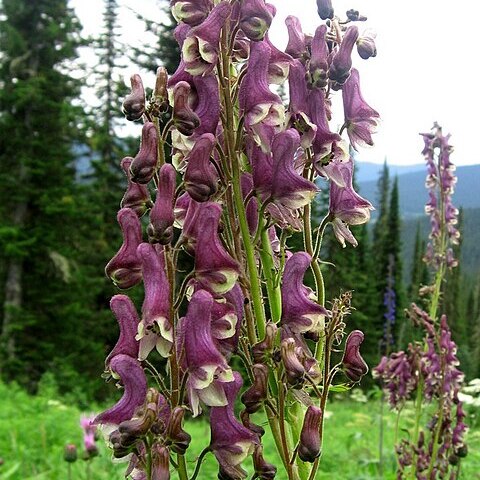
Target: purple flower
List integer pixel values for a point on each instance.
(360, 118)
(134, 105)
(294, 369)
(264, 470)
(127, 318)
(299, 312)
(160, 462)
(201, 177)
(124, 268)
(342, 60)
(207, 368)
(155, 329)
(262, 168)
(288, 187)
(325, 9)
(160, 228)
(184, 118)
(143, 166)
(135, 388)
(346, 206)
(178, 438)
(262, 109)
(278, 63)
(200, 49)
(262, 349)
(324, 140)
(215, 269)
(191, 12)
(207, 108)
(255, 19)
(137, 196)
(297, 44)
(353, 364)
(310, 443)
(89, 430)
(318, 66)
(257, 393)
(230, 441)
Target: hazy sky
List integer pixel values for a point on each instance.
(426, 69)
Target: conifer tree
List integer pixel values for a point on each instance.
(37, 196)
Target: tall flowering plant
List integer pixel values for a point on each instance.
(240, 177)
(428, 371)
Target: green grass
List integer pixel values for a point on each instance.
(34, 431)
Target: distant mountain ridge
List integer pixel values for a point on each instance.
(369, 171)
(413, 194)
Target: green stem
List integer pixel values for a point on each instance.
(273, 287)
(182, 467)
(199, 462)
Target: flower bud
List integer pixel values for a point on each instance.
(179, 438)
(342, 61)
(137, 196)
(366, 47)
(309, 447)
(160, 228)
(160, 462)
(256, 429)
(261, 349)
(354, 16)
(184, 118)
(353, 364)
(134, 105)
(325, 9)
(138, 427)
(264, 470)
(257, 393)
(293, 368)
(159, 103)
(144, 164)
(70, 453)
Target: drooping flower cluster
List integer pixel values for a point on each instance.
(440, 182)
(241, 175)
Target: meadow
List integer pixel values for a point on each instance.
(35, 429)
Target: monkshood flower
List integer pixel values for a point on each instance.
(288, 187)
(361, 120)
(341, 63)
(353, 365)
(207, 108)
(215, 269)
(297, 42)
(264, 348)
(160, 462)
(255, 19)
(294, 369)
(299, 312)
(144, 164)
(230, 441)
(135, 388)
(178, 438)
(127, 318)
(263, 469)
(398, 374)
(309, 447)
(262, 109)
(208, 371)
(325, 9)
(137, 196)
(278, 64)
(200, 48)
(124, 269)
(134, 105)
(227, 317)
(191, 12)
(257, 393)
(160, 228)
(201, 177)
(318, 65)
(184, 118)
(155, 329)
(89, 431)
(346, 206)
